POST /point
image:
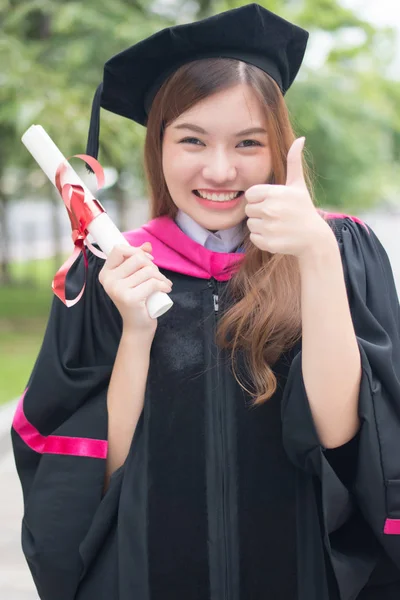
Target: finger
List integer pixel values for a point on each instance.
(148, 272)
(118, 255)
(131, 265)
(255, 214)
(295, 174)
(144, 290)
(253, 210)
(259, 192)
(265, 191)
(147, 247)
(255, 225)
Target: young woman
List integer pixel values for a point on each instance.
(242, 446)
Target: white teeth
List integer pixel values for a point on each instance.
(218, 197)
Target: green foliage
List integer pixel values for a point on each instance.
(328, 15)
(24, 301)
(52, 54)
(18, 352)
(55, 51)
(39, 273)
(24, 310)
(349, 141)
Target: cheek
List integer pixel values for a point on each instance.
(260, 167)
(179, 166)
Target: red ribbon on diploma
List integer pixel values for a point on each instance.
(81, 212)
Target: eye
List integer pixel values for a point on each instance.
(189, 140)
(253, 142)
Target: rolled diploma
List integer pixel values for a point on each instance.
(103, 230)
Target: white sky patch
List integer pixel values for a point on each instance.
(381, 13)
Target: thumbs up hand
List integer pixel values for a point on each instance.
(282, 218)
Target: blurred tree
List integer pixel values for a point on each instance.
(350, 143)
(53, 53)
(348, 109)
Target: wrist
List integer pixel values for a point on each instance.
(137, 338)
(323, 247)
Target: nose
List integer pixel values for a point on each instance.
(219, 168)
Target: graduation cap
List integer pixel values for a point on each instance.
(250, 33)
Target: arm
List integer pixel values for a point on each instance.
(125, 397)
(60, 433)
(359, 503)
(331, 362)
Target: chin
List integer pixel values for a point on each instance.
(217, 224)
(218, 221)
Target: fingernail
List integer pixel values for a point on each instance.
(149, 255)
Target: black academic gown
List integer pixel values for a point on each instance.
(216, 500)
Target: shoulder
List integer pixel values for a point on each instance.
(340, 222)
(359, 244)
(367, 268)
(357, 239)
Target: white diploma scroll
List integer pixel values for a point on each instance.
(103, 230)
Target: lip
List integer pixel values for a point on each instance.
(218, 206)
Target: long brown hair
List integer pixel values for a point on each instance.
(265, 319)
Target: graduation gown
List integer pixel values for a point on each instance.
(216, 500)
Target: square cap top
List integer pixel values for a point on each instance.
(249, 33)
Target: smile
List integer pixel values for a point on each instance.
(215, 197)
(219, 204)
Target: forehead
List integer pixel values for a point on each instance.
(234, 107)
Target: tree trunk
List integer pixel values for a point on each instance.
(5, 274)
(205, 9)
(122, 208)
(55, 233)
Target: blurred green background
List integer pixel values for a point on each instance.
(345, 101)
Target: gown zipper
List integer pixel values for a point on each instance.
(216, 307)
(221, 402)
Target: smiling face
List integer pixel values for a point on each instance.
(207, 150)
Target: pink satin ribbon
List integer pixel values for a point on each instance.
(392, 527)
(81, 211)
(55, 444)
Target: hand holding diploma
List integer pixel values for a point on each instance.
(129, 277)
(86, 213)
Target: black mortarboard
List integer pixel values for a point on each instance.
(250, 33)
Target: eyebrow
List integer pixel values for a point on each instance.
(198, 129)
